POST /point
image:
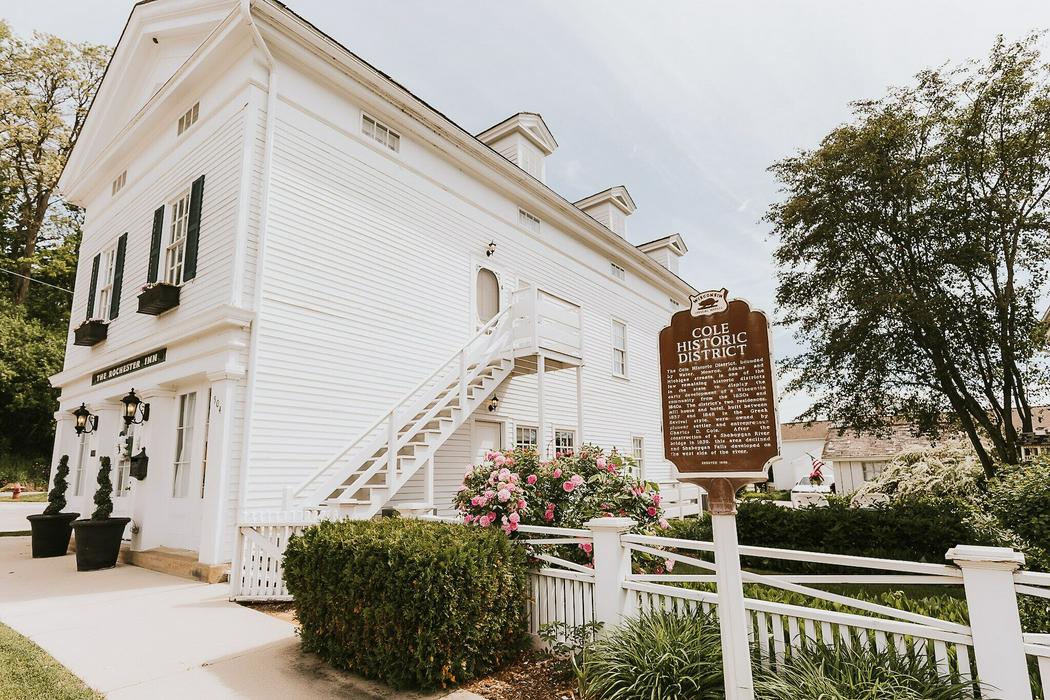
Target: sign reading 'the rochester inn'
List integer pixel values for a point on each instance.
(129, 366)
(720, 423)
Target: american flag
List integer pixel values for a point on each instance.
(817, 463)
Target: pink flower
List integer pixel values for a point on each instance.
(656, 499)
(548, 516)
(483, 521)
(568, 486)
(576, 479)
(468, 518)
(504, 474)
(500, 460)
(669, 563)
(504, 495)
(514, 518)
(531, 479)
(651, 510)
(557, 473)
(475, 501)
(521, 504)
(664, 524)
(586, 546)
(601, 462)
(490, 455)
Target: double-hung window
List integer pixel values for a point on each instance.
(175, 253)
(638, 452)
(183, 446)
(104, 296)
(526, 437)
(619, 348)
(564, 441)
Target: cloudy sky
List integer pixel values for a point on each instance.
(684, 102)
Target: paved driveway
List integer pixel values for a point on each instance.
(133, 633)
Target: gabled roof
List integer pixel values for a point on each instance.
(674, 242)
(618, 195)
(528, 124)
(816, 430)
(896, 439)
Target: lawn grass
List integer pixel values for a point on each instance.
(40, 497)
(30, 673)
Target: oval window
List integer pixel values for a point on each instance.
(487, 294)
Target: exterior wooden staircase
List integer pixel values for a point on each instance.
(360, 480)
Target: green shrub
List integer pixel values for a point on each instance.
(847, 672)
(1019, 498)
(56, 500)
(658, 655)
(951, 471)
(410, 603)
(914, 531)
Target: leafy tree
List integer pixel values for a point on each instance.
(29, 353)
(48, 87)
(913, 244)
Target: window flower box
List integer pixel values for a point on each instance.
(157, 298)
(90, 332)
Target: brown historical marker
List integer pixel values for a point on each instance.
(720, 418)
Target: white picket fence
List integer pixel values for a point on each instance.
(567, 592)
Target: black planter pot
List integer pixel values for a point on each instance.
(98, 542)
(90, 333)
(51, 533)
(159, 298)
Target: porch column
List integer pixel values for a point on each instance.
(579, 408)
(213, 543)
(541, 429)
(63, 431)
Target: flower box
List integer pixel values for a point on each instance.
(155, 299)
(90, 332)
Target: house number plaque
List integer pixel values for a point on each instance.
(719, 401)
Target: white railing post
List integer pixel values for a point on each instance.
(732, 618)
(463, 380)
(391, 449)
(998, 646)
(237, 564)
(612, 564)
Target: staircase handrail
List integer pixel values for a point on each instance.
(491, 323)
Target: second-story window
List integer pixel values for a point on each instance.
(529, 221)
(189, 118)
(119, 183)
(175, 253)
(104, 296)
(619, 348)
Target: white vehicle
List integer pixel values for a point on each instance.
(806, 493)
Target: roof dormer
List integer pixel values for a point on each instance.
(524, 140)
(610, 207)
(666, 250)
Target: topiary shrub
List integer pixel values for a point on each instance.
(410, 603)
(103, 502)
(658, 655)
(56, 498)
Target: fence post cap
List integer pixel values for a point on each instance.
(985, 557)
(618, 524)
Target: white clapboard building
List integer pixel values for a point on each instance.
(327, 292)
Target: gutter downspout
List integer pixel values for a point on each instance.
(253, 348)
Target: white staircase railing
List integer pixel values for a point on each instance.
(450, 393)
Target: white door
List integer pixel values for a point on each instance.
(488, 435)
(185, 477)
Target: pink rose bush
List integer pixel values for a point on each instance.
(514, 488)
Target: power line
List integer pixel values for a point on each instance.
(46, 284)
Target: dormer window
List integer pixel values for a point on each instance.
(119, 183)
(381, 133)
(189, 118)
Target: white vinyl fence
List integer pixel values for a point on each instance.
(991, 648)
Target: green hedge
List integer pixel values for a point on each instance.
(919, 531)
(409, 603)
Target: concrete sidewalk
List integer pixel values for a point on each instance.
(13, 514)
(133, 633)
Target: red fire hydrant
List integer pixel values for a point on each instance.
(16, 491)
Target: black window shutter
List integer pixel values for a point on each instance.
(154, 244)
(94, 281)
(193, 229)
(118, 277)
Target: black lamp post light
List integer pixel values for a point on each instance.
(493, 404)
(86, 422)
(132, 414)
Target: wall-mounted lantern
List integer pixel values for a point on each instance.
(490, 249)
(86, 422)
(493, 404)
(131, 409)
(139, 465)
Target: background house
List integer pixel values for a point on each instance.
(800, 443)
